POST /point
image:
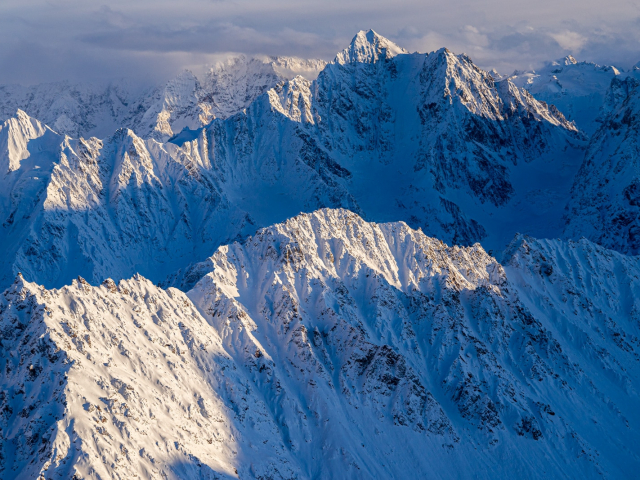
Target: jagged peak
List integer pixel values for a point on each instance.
(185, 74)
(497, 76)
(15, 134)
(368, 47)
(557, 66)
(450, 58)
(23, 117)
(123, 133)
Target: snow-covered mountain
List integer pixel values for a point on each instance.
(73, 109)
(330, 347)
(345, 342)
(228, 88)
(101, 208)
(368, 47)
(577, 89)
(429, 139)
(160, 112)
(605, 205)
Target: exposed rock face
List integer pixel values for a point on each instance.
(330, 346)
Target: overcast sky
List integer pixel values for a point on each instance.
(44, 40)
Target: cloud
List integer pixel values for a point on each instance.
(473, 36)
(81, 40)
(572, 41)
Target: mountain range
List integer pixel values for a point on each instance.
(458, 299)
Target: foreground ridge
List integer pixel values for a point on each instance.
(330, 346)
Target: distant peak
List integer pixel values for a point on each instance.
(368, 47)
(497, 76)
(569, 60)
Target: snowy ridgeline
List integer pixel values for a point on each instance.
(329, 347)
(324, 346)
(86, 110)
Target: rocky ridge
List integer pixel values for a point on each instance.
(329, 345)
(605, 201)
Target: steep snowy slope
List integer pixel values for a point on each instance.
(368, 47)
(228, 88)
(577, 89)
(91, 207)
(125, 205)
(328, 347)
(160, 112)
(231, 86)
(605, 204)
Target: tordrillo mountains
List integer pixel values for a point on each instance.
(242, 338)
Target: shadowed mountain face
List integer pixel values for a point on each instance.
(330, 347)
(428, 139)
(605, 204)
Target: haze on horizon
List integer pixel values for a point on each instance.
(50, 40)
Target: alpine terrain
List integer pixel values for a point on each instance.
(428, 139)
(389, 265)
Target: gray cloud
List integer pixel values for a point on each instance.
(46, 40)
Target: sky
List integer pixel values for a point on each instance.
(152, 40)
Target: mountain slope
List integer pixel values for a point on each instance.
(330, 346)
(158, 111)
(605, 202)
(73, 109)
(126, 205)
(429, 138)
(577, 89)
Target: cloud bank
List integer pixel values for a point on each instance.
(45, 40)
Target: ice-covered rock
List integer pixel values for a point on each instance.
(160, 111)
(577, 89)
(429, 139)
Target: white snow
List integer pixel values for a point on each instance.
(158, 111)
(577, 89)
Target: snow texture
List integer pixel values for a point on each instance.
(350, 341)
(577, 89)
(605, 203)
